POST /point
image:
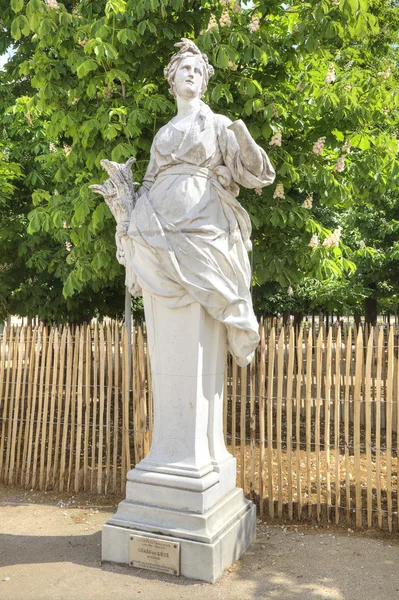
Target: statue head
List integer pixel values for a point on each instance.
(188, 54)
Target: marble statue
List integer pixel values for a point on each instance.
(186, 235)
(184, 240)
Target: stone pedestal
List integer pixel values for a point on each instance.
(184, 490)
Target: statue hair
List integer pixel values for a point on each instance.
(187, 50)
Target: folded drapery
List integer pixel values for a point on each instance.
(189, 235)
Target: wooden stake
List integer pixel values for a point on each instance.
(79, 419)
(308, 416)
(37, 351)
(40, 402)
(234, 385)
(252, 426)
(60, 405)
(73, 403)
(108, 410)
(101, 412)
(337, 405)
(262, 393)
(327, 420)
(87, 400)
(243, 407)
(290, 376)
(357, 402)
(367, 394)
(280, 379)
(53, 394)
(318, 403)
(389, 402)
(298, 422)
(25, 408)
(346, 424)
(19, 356)
(269, 401)
(142, 414)
(117, 387)
(14, 362)
(68, 393)
(29, 411)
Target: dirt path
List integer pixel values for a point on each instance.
(50, 549)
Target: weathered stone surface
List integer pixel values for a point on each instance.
(184, 239)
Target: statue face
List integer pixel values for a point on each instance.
(189, 77)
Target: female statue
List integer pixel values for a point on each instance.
(184, 240)
(190, 234)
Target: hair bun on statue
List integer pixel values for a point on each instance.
(187, 48)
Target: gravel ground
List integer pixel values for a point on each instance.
(50, 549)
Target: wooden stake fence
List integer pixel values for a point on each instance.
(313, 421)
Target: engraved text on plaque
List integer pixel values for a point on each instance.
(155, 554)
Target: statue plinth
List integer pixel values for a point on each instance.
(185, 489)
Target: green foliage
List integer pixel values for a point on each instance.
(306, 70)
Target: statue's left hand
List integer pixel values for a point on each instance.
(118, 190)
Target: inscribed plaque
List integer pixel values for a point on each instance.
(155, 554)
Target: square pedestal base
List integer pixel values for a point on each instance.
(198, 560)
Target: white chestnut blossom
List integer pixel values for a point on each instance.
(67, 149)
(290, 291)
(385, 74)
(332, 241)
(314, 242)
(254, 24)
(52, 4)
(237, 7)
(212, 23)
(330, 77)
(225, 20)
(340, 165)
(232, 66)
(258, 191)
(319, 145)
(279, 191)
(276, 139)
(52, 147)
(308, 202)
(274, 112)
(346, 148)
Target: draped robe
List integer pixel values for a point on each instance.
(190, 235)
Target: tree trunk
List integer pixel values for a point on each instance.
(358, 319)
(370, 310)
(298, 317)
(286, 317)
